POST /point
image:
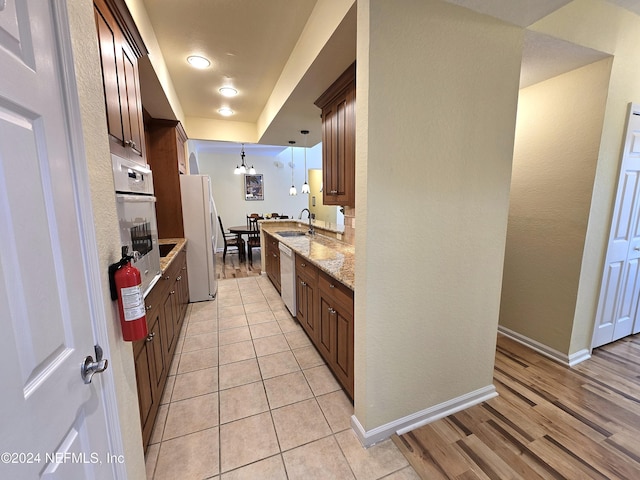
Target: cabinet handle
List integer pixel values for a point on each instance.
(167, 277)
(274, 254)
(131, 143)
(147, 308)
(331, 285)
(334, 192)
(331, 311)
(303, 264)
(173, 292)
(184, 268)
(304, 284)
(179, 278)
(151, 336)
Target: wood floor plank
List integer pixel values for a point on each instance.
(548, 422)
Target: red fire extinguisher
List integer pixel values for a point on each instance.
(128, 288)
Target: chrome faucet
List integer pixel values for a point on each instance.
(311, 216)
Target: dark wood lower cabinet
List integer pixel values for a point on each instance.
(325, 311)
(306, 296)
(272, 260)
(166, 307)
(337, 329)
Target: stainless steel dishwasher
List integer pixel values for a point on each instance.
(287, 278)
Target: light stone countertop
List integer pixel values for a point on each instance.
(330, 255)
(166, 261)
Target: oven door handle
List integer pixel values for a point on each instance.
(121, 197)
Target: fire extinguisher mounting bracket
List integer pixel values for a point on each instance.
(114, 267)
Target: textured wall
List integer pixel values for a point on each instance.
(556, 151)
(87, 66)
(554, 163)
(581, 22)
(437, 95)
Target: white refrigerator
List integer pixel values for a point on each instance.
(200, 229)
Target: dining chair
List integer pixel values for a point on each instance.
(232, 240)
(253, 216)
(253, 240)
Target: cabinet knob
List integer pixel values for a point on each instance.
(179, 278)
(331, 285)
(150, 337)
(147, 308)
(131, 143)
(173, 292)
(334, 192)
(167, 277)
(184, 268)
(304, 284)
(303, 264)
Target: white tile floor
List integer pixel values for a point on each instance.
(249, 397)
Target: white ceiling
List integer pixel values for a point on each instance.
(249, 42)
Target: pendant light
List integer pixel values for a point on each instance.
(305, 186)
(292, 190)
(242, 168)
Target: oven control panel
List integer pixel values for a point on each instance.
(131, 177)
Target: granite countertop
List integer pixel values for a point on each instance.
(166, 261)
(332, 256)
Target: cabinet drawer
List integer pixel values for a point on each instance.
(336, 290)
(270, 241)
(306, 268)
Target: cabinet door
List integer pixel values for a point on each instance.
(144, 380)
(108, 45)
(343, 321)
(151, 373)
(168, 309)
(326, 331)
(338, 139)
(131, 105)
(338, 131)
(181, 138)
(305, 312)
(182, 287)
(121, 85)
(272, 261)
(336, 329)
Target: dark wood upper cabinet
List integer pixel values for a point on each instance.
(338, 104)
(166, 157)
(120, 46)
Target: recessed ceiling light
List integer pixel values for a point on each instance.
(225, 111)
(228, 91)
(198, 62)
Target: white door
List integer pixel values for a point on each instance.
(618, 303)
(52, 425)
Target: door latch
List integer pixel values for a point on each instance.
(89, 368)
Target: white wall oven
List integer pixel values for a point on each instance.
(136, 207)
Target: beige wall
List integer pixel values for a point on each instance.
(581, 22)
(435, 119)
(555, 155)
(327, 214)
(87, 66)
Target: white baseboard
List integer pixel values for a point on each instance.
(563, 358)
(423, 417)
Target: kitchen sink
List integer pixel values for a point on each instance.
(166, 248)
(292, 233)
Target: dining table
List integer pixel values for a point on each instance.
(241, 230)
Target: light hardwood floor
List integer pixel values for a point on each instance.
(548, 422)
(234, 268)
